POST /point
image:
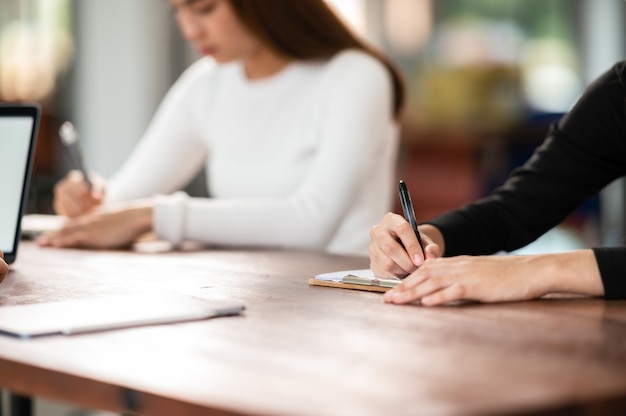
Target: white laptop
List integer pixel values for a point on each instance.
(80, 316)
(18, 134)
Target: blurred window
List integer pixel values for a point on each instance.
(35, 47)
(483, 63)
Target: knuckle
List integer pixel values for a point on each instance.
(390, 267)
(433, 251)
(371, 250)
(387, 264)
(404, 227)
(459, 290)
(389, 215)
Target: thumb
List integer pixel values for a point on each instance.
(432, 251)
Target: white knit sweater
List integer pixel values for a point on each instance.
(304, 159)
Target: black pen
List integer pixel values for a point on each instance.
(409, 213)
(69, 138)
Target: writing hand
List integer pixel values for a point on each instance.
(394, 249)
(74, 197)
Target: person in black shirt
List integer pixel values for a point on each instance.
(583, 152)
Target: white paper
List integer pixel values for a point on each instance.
(338, 276)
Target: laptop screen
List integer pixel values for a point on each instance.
(18, 133)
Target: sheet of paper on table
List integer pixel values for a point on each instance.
(361, 279)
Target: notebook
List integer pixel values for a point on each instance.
(362, 279)
(18, 135)
(104, 313)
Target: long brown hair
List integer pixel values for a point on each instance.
(309, 29)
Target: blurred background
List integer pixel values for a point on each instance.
(486, 78)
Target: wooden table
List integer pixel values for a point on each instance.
(301, 350)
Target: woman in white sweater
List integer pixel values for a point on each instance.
(294, 119)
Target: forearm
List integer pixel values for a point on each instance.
(568, 272)
(142, 216)
(278, 222)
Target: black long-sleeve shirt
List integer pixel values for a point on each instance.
(583, 152)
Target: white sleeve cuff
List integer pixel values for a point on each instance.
(169, 216)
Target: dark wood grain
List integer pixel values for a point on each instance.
(306, 350)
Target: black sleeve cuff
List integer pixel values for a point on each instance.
(612, 264)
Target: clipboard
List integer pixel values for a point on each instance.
(363, 279)
(79, 316)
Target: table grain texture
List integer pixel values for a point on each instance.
(306, 350)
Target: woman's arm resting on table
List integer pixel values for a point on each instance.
(499, 278)
(114, 226)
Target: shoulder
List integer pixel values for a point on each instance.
(198, 72)
(619, 69)
(609, 80)
(618, 72)
(606, 91)
(200, 79)
(203, 74)
(356, 64)
(193, 81)
(598, 113)
(354, 57)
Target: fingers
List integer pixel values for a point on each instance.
(431, 249)
(473, 278)
(387, 255)
(394, 247)
(73, 233)
(66, 237)
(402, 231)
(408, 291)
(428, 286)
(70, 195)
(412, 289)
(102, 228)
(448, 294)
(433, 241)
(73, 197)
(4, 268)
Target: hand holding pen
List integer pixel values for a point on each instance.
(397, 247)
(78, 192)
